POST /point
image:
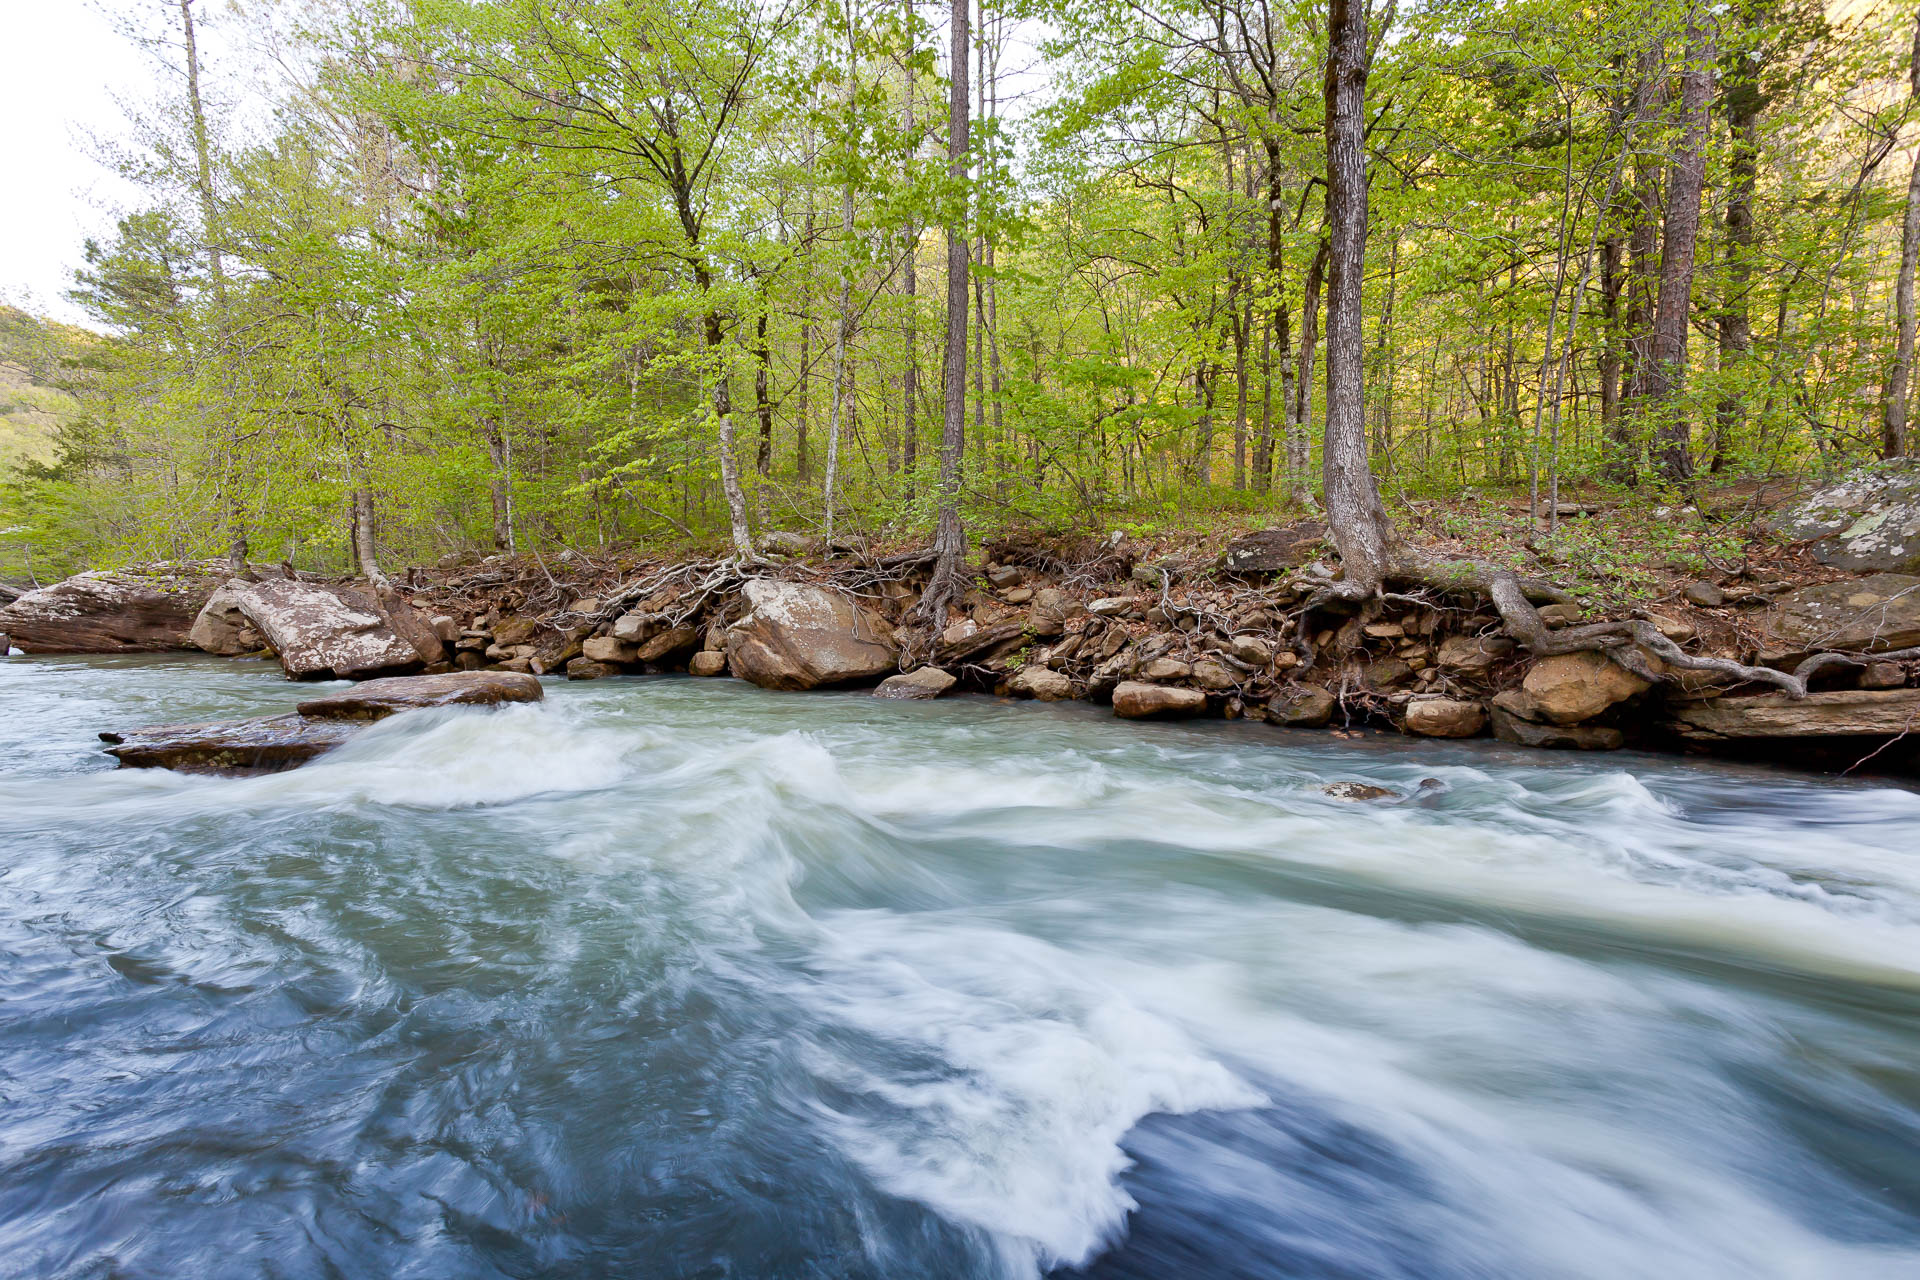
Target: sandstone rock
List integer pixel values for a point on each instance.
(1005, 575)
(632, 628)
(959, 633)
(668, 645)
(467, 660)
(1111, 606)
(1359, 791)
(927, 682)
(1508, 727)
(522, 665)
(1042, 683)
(1472, 655)
(148, 610)
(1445, 718)
(1855, 615)
(377, 699)
(1386, 673)
(587, 669)
(264, 744)
(445, 627)
(1273, 550)
(1883, 675)
(606, 649)
(1561, 614)
(1212, 674)
(1165, 669)
(799, 636)
(1842, 713)
(707, 663)
(1134, 700)
(320, 630)
(1705, 595)
(786, 544)
(1019, 595)
(6, 644)
(1870, 521)
(1570, 687)
(1303, 706)
(223, 628)
(1384, 630)
(1675, 629)
(552, 652)
(1252, 650)
(513, 631)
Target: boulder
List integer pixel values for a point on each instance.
(1304, 706)
(1111, 606)
(927, 682)
(223, 628)
(632, 628)
(1855, 615)
(1052, 610)
(1252, 650)
(150, 610)
(1273, 550)
(343, 632)
(264, 744)
(1704, 595)
(378, 699)
(1842, 713)
(1134, 700)
(1472, 655)
(1445, 718)
(670, 644)
(606, 649)
(1358, 791)
(1386, 673)
(588, 669)
(1041, 683)
(800, 636)
(446, 627)
(1165, 669)
(1570, 687)
(1868, 522)
(707, 663)
(1509, 727)
(6, 644)
(1211, 673)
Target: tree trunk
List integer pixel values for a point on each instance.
(365, 556)
(1622, 465)
(1356, 520)
(949, 541)
(763, 391)
(1298, 455)
(910, 373)
(1894, 441)
(1658, 382)
(1735, 327)
(1610, 346)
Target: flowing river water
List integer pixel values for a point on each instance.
(677, 978)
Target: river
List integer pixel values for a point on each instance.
(677, 978)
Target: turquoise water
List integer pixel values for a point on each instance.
(676, 978)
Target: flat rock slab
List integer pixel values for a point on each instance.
(1855, 615)
(321, 630)
(265, 744)
(1868, 521)
(1274, 550)
(131, 611)
(1845, 713)
(378, 699)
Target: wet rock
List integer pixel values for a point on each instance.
(926, 682)
(1705, 595)
(707, 663)
(800, 636)
(1868, 522)
(1134, 700)
(1570, 687)
(1273, 550)
(6, 644)
(319, 630)
(377, 699)
(1509, 727)
(467, 660)
(149, 610)
(1472, 655)
(1855, 615)
(587, 669)
(1303, 706)
(265, 744)
(1359, 791)
(1445, 718)
(1210, 673)
(1041, 683)
(1842, 713)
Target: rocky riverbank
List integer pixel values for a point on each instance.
(1151, 634)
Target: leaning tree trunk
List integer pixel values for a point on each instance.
(1893, 416)
(1356, 520)
(1661, 380)
(949, 539)
(365, 554)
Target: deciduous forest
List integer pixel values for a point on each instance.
(421, 277)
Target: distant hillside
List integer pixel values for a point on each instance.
(31, 405)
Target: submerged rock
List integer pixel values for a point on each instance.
(927, 682)
(1359, 791)
(800, 636)
(148, 610)
(264, 744)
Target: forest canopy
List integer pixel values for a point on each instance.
(519, 275)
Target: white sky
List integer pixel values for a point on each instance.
(63, 66)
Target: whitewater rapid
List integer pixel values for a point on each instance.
(668, 977)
